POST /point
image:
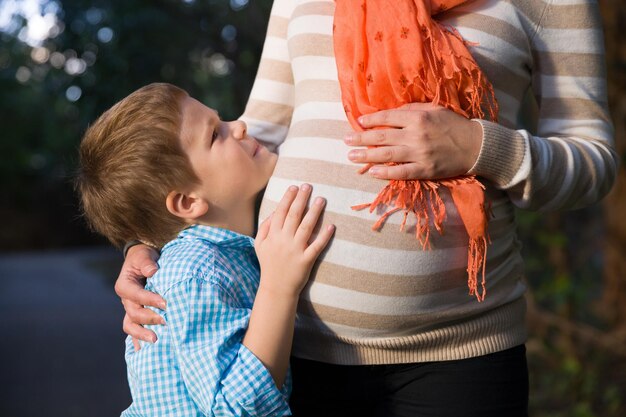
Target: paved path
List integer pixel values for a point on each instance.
(61, 343)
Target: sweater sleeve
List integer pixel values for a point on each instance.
(271, 102)
(570, 162)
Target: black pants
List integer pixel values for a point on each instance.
(491, 385)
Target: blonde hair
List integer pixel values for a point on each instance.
(130, 160)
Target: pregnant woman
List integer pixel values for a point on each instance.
(425, 316)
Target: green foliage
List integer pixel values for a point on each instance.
(563, 258)
(575, 385)
(564, 269)
(51, 92)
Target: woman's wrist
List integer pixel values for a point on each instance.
(502, 153)
(477, 141)
(129, 245)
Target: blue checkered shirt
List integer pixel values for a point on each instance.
(198, 366)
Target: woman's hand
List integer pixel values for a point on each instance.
(140, 263)
(431, 141)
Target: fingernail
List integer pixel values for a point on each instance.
(348, 139)
(355, 154)
(306, 187)
(374, 171)
(293, 188)
(162, 305)
(319, 201)
(361, 120)
(153, 339)
(152, 270)
(162, 321)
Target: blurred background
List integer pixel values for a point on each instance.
(63, 62)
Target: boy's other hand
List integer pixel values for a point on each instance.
(140, 263)
(282, 244)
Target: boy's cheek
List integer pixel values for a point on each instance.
(273, 159)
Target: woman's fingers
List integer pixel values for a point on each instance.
(419, 106)
(382, 155)
(408, 171)
(140, 262)
(131, 288)
(402, 116)
(138, 332)
(141, 315)
(143, 258)
(296, 211)
(376, 137)
(391, 118)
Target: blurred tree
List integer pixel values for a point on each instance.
(577, 271)
(64, 62)
(612, 306)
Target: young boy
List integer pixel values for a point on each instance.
(162, 167)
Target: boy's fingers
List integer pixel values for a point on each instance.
(307, 225)
(138, 332)
(140, 315)
(278, 219)
(321, 240)
(296, 211)
(264, 228)
(136, 344)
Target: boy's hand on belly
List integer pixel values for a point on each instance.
(282, 244)
(286, 257)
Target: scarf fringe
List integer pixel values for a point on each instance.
(476, 257)
(475, 96)
(421, 199)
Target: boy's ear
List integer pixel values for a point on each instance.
(186, 206)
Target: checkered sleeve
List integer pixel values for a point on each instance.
(222, 376)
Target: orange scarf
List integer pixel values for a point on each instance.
(391, 53)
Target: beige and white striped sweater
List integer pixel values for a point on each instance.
(377, 297)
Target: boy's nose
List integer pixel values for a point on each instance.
(239, 129)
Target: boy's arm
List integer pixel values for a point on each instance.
(219, 375)
(286, 258)
(227, 372)
(271, 102)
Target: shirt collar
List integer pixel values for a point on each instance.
(218, 236)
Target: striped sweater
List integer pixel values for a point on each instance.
(378, 297)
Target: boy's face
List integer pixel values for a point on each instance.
(232, 166)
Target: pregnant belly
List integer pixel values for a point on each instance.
(386, 283)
